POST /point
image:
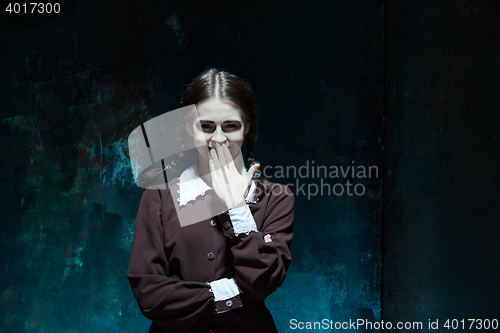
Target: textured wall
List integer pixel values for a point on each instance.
(73, 87)
(442, 190)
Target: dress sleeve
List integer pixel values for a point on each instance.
(262, 257)
(171, 303)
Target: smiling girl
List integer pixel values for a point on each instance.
(213, 275)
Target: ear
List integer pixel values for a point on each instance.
(247, 128)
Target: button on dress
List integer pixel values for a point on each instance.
(170, 264)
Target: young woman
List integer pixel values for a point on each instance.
(213, 275)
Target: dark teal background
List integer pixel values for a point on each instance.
(408, 87)
(442, 161)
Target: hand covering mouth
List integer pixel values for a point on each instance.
(210, 148)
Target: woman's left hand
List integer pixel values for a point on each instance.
(227, 182)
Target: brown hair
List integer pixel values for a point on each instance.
(228, 87)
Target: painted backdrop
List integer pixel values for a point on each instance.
(405, 91)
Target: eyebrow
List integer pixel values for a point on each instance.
(225, 122)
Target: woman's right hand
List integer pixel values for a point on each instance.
(229, 185)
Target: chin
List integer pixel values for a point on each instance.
(234, 155)
(205, 152)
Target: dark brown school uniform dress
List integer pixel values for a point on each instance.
(170, 265)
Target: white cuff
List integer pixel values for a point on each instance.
(224, 289)
(242, 220)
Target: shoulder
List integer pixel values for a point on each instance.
(159, 191)
(159, 199)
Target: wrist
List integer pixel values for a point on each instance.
(224, 289)
(242, 220)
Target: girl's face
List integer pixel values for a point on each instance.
(218, 122)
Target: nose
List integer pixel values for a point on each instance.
(218, 136)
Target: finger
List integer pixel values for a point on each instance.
(211, 166)
(251, 172)
(220, 154)
(222, 173)
(229, 158)
(267, 238)
(222, 163)
(215, 160)
(215, 170)
(217, 180)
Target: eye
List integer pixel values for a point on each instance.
(207, 127)
(231, 127)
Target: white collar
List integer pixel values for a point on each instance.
(191, 186)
